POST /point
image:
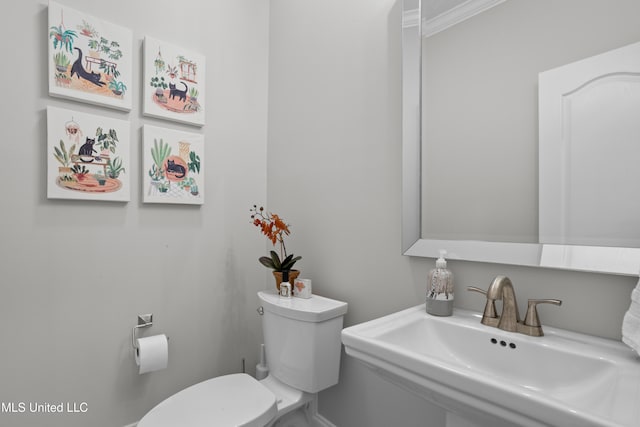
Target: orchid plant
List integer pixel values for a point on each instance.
(275, 229)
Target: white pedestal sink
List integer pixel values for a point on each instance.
(495, 377)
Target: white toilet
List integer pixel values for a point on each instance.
(302, 341)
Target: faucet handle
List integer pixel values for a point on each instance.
(531, 318)
(489, 317)
(475, 289)
(531, 325)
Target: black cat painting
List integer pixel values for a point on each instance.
(181, 94)
(78, 69)
(177, 170)
(87, 150)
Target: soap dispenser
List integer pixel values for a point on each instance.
(440, 288)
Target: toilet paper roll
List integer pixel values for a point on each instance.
(152, 353)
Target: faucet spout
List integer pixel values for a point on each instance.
(502, 289)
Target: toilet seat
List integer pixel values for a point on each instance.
(230, 400)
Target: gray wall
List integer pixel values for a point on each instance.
(75, 275)
(334, 172)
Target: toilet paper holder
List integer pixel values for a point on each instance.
(144, 321)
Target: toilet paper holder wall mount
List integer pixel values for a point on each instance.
(144, 321)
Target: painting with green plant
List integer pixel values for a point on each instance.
(174, 82)
(87, 156)
(173, 166)
(90, 60)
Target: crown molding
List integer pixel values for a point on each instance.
(410, 18)
(456, 15)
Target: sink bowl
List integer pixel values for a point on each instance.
(486, 374)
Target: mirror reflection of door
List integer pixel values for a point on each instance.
(590, 151)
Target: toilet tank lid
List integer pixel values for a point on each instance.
(314, 309)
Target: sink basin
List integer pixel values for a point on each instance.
(486, 374)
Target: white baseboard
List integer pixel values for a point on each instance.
(131, 425)
(320, 421)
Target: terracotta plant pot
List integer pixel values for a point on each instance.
(293, 274)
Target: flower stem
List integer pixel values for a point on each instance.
(283, 249)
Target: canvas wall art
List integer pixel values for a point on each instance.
(174, 82)
(173, 166)
(87, 156)
(90, 60)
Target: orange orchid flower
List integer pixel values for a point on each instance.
(274, 229)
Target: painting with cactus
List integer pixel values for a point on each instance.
(90, 60)
(87, 156)
(174, 82)
(173, 166)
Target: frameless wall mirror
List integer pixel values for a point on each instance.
(491, 172)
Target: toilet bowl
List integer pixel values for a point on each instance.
(302, 341)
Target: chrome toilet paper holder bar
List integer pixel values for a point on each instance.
(144, 321)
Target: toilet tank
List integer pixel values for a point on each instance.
(302, 339)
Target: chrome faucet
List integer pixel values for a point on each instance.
(509, 320)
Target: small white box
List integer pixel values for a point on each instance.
(302, 288)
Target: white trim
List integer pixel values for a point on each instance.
(410, 18)
(527, 254)
(131, 425)
(317, 420)
(597, 259)
(320, 421)
(456, 15)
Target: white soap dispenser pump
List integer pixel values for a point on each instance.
(440, 288)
